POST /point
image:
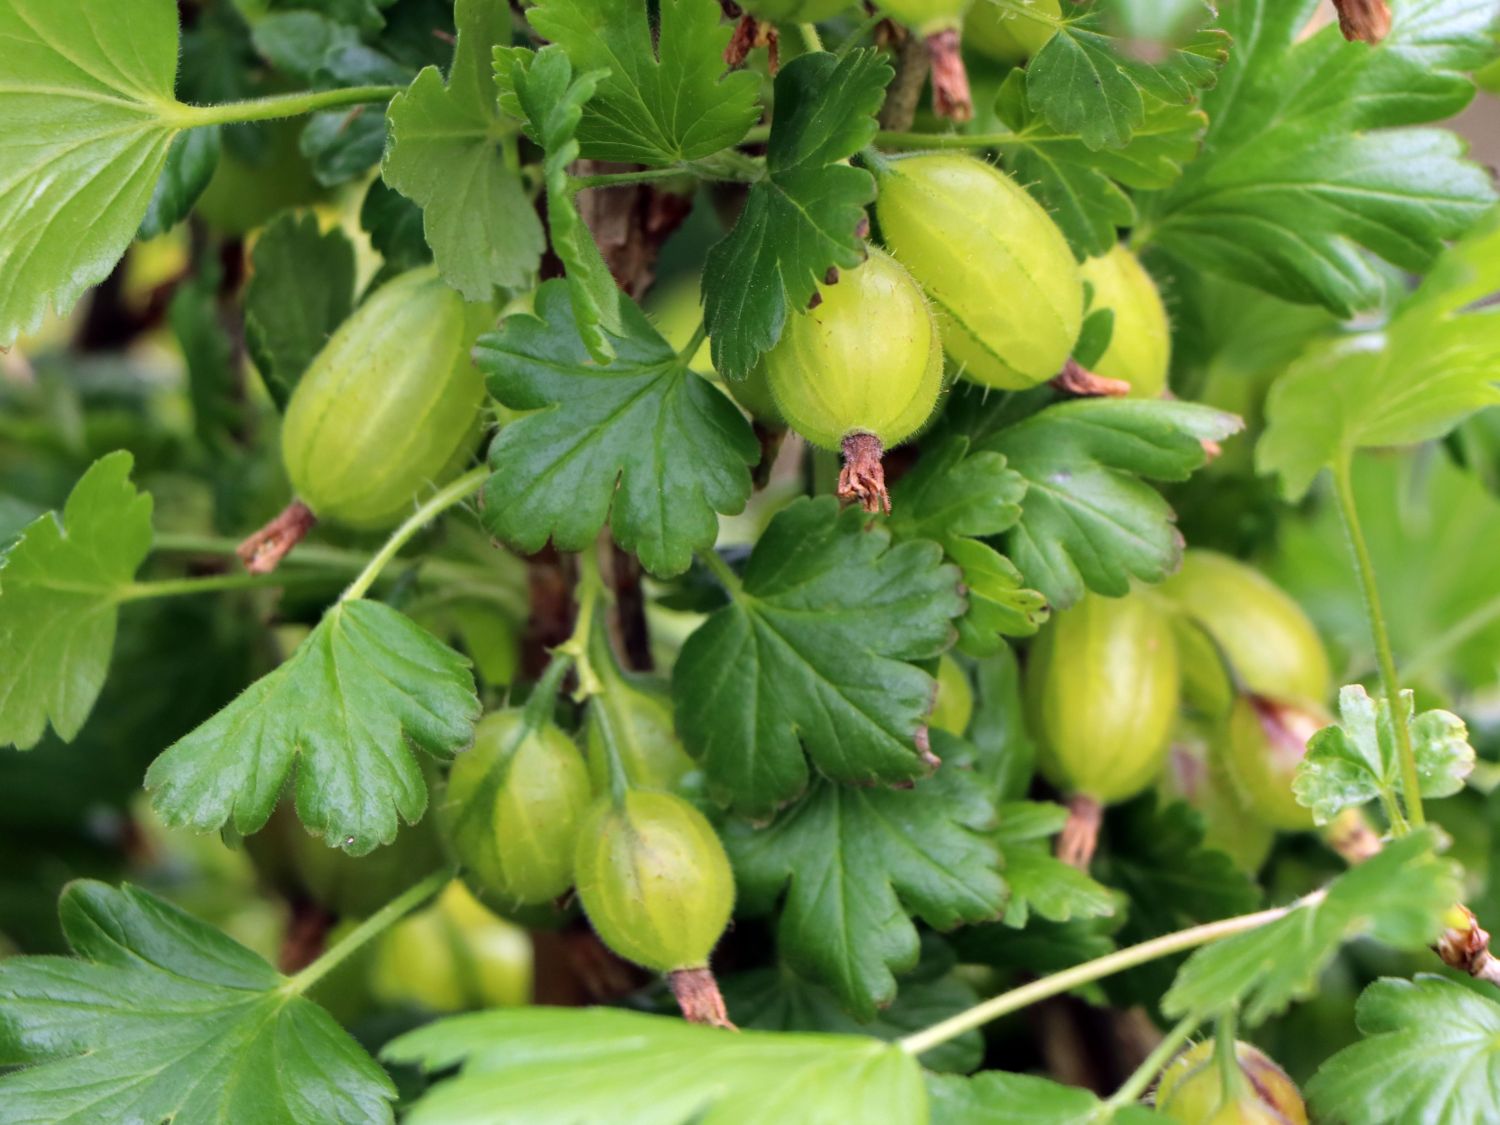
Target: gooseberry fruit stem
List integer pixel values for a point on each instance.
(863, 475)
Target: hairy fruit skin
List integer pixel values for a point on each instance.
(1263, 743)
(1191, 1090)
(1007, 290)
(867, 360)
(1007, 37)
(654, 880)
(390, 406)
(513, 806)
(1140, 350)
(1271, 645)
(927, 17)
(1102, 696)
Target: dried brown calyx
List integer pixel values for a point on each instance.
(1076, 379)
(1079, 837)
(263, 551)
(699, 997)
(749, 34)
(950, 81)
(1366, 20)
(863, 475)
(1465, 945)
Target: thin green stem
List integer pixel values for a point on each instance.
(1134, 1087)
(686, 355)
(624, 179)
(590, 586)
(896, 139)
(372, 927)
(721, 570)
(810, 36)
(280, 105)
(1227, 1058)
(181, 587)
(1118, 961)
(442, 500)
(1364, 566)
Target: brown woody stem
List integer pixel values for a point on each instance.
(263, 551)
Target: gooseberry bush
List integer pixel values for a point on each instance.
(790, 560)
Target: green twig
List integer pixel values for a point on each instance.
(180, 587)
(1110, 963)
(441, 501)
(371, 927)
(1364, 568)
(280, 105)
(1140, 1081)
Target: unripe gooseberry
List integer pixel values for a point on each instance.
(1262, 744)
(1008, 35)
(927, 17)
(795, 11)
(654, 880)
(1006, 288)
(1192, 1090)
(453, 956)
(860, 372)
(955, 698)
(512, 809)
(390, 406)
(1140, 348)
(1102, 695)
(1195, 773)
(1269, 642)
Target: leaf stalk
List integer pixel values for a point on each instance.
(280, 105)
(447, 496)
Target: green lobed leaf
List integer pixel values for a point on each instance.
(296, 42)
(811, 659)
(1087, 520)
(1038, 881)
(666, 97)
(1081, 187)
(1022, 1099)
(446, 153)
(86, 121)
(1396, 897)
(954, 497)
(343, 715)
(855, 862)
(1300, 171)
(394, 224)
(1355, 760)
(160, 1017)
(191, 162)
(522, 1065)
(1432, 365)
(301, 288)
(780, 1000)
(61, 583)
(1089, 82)
(543, 88)
(804, 217)
(1431, 1053)
(641, 440)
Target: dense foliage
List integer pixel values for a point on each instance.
(802, 560)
